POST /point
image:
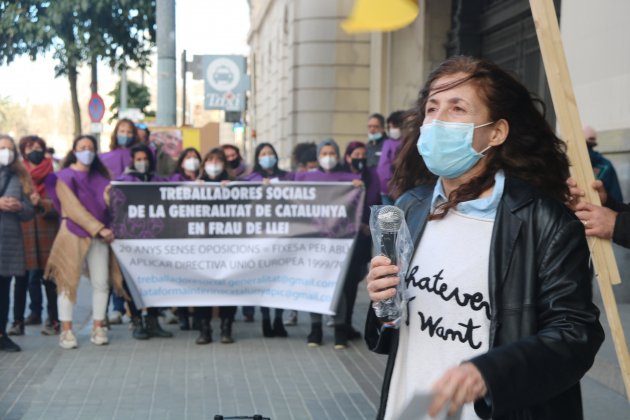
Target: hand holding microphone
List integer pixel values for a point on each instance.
(392, 244)
(382, 279)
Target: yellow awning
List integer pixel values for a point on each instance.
(380, 15)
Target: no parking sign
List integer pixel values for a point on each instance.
(96, 108)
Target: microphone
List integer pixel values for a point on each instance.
(389, 219)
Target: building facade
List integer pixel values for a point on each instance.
(311, 80)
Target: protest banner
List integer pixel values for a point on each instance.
(282, 245)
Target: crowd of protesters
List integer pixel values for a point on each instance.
(55, 225)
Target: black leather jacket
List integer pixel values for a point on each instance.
(621, 232)
(544, 327)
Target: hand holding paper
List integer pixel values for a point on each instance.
(459, 385)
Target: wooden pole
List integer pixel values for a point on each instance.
(557, 70)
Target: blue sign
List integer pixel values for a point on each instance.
(225, 82)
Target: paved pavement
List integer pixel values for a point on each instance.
(176, 379)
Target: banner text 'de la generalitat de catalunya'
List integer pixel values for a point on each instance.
(282, 245)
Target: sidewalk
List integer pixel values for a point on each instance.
(176, 379)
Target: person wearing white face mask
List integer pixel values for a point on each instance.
(187, 169)
(389, 152)
(499, 319)
(80, 194)
(330, 170)
(15, 207)
(188, 166)
(142, 169)
(214, 170)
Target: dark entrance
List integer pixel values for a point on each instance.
(502, 31)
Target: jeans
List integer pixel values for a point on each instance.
(35, 282)
(386, 200)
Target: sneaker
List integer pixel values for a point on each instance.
(50, 328)
(99, 336)
(17, 328)
(67, 340)
(115, 318)
(33, 319)
(6, 344)
(292, 319)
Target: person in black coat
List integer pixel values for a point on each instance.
(499, 320)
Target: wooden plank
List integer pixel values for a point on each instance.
(557, 71)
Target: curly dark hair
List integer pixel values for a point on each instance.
(531, 152)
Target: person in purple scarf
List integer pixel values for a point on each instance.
(266, 170)
(79, 192)
(331, 169)
(124, 136)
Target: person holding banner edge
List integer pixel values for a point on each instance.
(214, 170)
(525, 285)
(79, 192)
(355, 161)
(142, 169)
(266, 170)
(186, 169)
(330, 170)
(188, 166)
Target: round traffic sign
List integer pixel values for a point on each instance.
(96, 108)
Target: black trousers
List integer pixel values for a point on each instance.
(205, 312)
(5, 300)
(357, 270)
(134, 310)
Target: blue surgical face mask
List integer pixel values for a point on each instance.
(123, 140)
(446, 147)
(267, 162)
(86, 157)
(374, 136)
